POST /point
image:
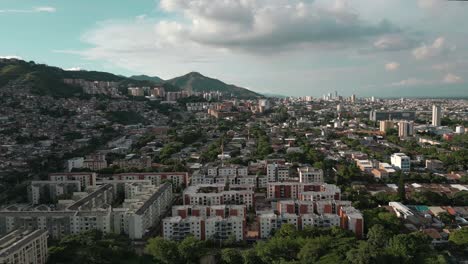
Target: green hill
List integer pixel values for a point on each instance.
(47, 80)
(200, 83)
(42, 79)
(154, 79)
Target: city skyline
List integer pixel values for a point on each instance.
(368, 48)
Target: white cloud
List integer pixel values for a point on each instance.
(40, 9)
(393, 42)
(47, 9)
(392, 66)
(74, 69)
(9, 57)
(452, 78)
(413, 82)
(449, 78)
(437, 48)
(268, 25)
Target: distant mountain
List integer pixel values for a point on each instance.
(48, 80)
(199, 83)
(154, 79)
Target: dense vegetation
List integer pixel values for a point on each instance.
(93, 247)
(384, 244)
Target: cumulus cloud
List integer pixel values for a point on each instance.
(437, 48)
(40, 9)
(392, 66)
(268, 25)
(452, 78)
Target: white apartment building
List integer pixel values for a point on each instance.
(436, 115)
(51, 190)
(141, 210)
(323, 220)
(219, 228)
(405, 129)
(271, 221)
(24, 246)
(277, 172)
(294, 190)
(178, 228)
(87, 179)
(214, 194)
(327, 192)
(310, 174)
(156, 178)
(74, 163)
(401, 161)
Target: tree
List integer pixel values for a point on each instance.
(162, 250)
(378, 236)
(231, 256)
(365, 254)
(401, 186)
(314, 249)
(409, 248)
(460, 238)
(446, 218)
(191, 249)
(250, 257)
(92, 247)
(278, 249)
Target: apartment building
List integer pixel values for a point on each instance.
(157, 178)
(24, 246)
(352, 219)
(310, 174)
(219, 228)
(268, 222)
(322, 220)
(141, 210)
(50, 191)
(224, 210)
(74, 163)
(177, 228)
(293, 190)
(401, 161)
(231, 170)
(95, 162)
(277, 171)
(87, 179)
(214, 194)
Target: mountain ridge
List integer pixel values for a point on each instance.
(48, 80)
(198, 82)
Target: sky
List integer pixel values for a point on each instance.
(382, 48)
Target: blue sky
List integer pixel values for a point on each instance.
(309, 47)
